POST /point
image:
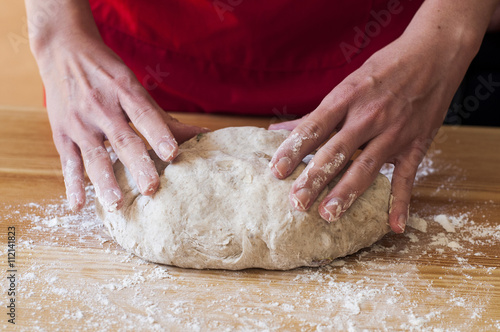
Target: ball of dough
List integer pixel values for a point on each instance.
(219, 207)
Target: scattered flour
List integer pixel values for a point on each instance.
(418, 223)
(387, 285)
(443, 220)
(426, 167)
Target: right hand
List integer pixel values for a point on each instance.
(91, 97)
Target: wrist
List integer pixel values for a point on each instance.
(68, 23)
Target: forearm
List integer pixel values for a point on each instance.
(53, 23)
(452, 27)
(438, 45)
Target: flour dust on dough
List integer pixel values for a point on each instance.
(219, 207)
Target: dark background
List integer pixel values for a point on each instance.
(483, 109)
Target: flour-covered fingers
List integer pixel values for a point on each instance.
(324, 166)
(72, 167)
(132, 152)
(302, 140)
(146, 116)
(100, 171)
(403, 177)
(307, 136)
(358, 177)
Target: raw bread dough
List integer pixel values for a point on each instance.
(218, 206)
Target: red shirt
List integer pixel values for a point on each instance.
(247, 56)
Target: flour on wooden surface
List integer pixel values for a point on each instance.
(126, 292)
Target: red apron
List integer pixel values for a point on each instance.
(247, 56)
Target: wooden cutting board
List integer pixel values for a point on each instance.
(70, 275)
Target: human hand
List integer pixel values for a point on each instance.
(91, 97)
(391, 108)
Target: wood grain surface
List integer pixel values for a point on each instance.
(70, 275)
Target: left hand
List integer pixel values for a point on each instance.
(392, 107)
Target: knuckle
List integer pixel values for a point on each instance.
(310, 129)
(129, 88)
(59, 136)
(61, 140)
(331, 100)
(418, 150)
(140, 114)
(341, 95)
(369, 81)
(374, 117)
(404, 175)
(94, 97)
(374, 113)
(122, 139)
(417, 156)
(362, 84)
(398, 129)
(333, 152)
(405, 184)
(93, 154)
(125, 82)
(421, 144)
(367, 164)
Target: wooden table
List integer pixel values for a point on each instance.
(71, 276)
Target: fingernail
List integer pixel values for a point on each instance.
(402, 223)
(391, 200)
(205, 129)
(167, 150)
(111, 199)
(75, 202)
(72, 202)
(283, 166)
(301, 199)
(333, 209)
(144, 184)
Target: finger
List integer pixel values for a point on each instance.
(306, 137)
(100, 171)
(145, 114)
(132, 152)
(324, 166)
(72, 167)
(287, 125)
(401, 186)
(358, 177)
(182, 132)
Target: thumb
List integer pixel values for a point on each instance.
(182, 132)
(287, 125)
